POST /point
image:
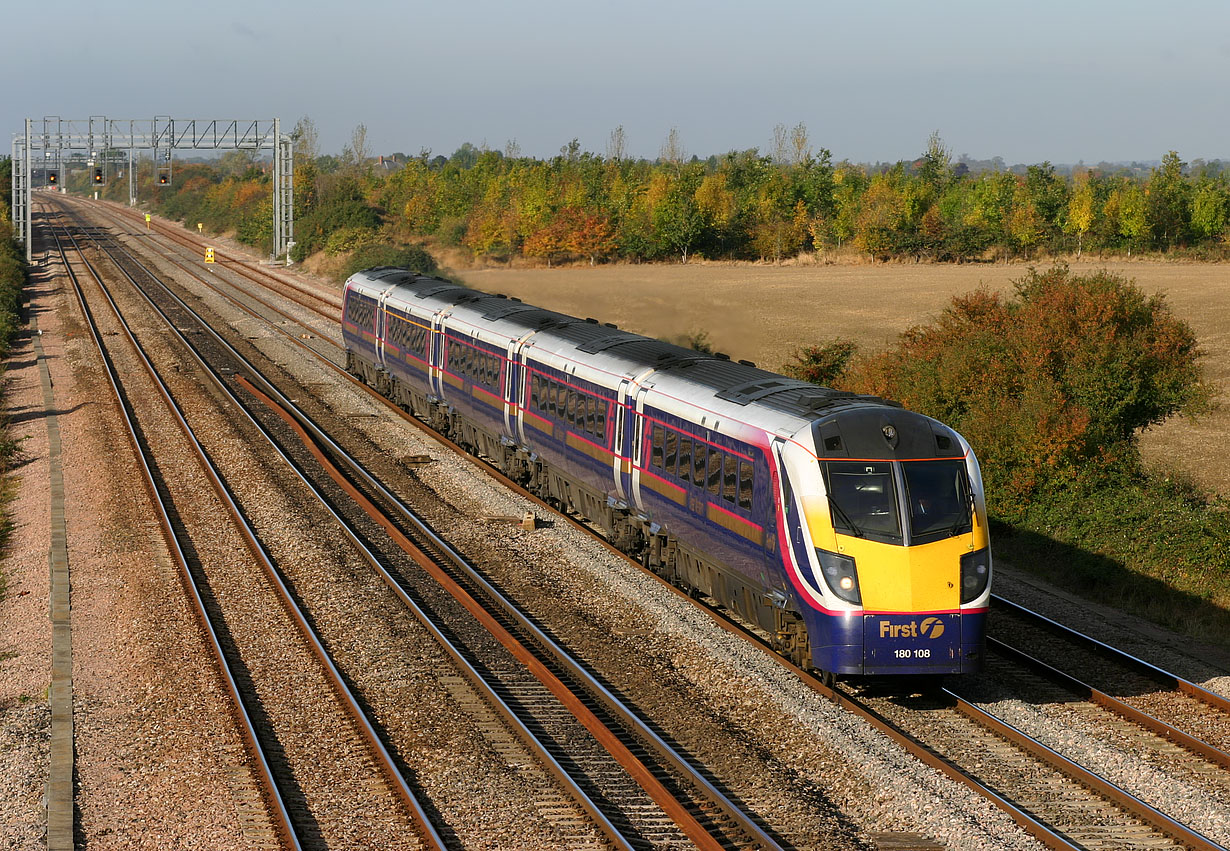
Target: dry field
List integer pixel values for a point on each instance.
(764, 313)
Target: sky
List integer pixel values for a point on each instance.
(1066, 81)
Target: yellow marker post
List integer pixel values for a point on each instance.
(147, 221)
(209, 255)
(200, 227)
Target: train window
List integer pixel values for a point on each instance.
(715, 471)
(672, 451)
(602, 406)
(685, 458)
(592, 417)
(552, 387)
(655, 454)
(571, 409)
(746, 484)
(535, 393)
(730, 479)
(700, 460)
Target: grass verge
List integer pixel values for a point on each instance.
(1151, 545)
(12, 279)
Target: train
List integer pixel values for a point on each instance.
(848, 530)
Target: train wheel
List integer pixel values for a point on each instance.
(828, 679)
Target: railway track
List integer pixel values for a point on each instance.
(1101, 819)
(294, 821)
(637, 788)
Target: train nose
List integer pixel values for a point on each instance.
(912, 643)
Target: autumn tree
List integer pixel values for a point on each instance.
(1062, 376)
(1080, 211)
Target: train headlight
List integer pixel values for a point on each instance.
(975, 573)
(840, 575)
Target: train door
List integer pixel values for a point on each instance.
(436, 354)
(379, 324)
(637, 424)
(514, 390)
(621, 469)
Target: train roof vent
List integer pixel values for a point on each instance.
(667, 360)
(505, 309)
(384, 271)
(438, 288)
(741, 394)
(591, 320)
(601, 344)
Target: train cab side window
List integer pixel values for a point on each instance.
(655, 454)
(746, 483)
(672, 451)
(715, 471)
(730, 480)
(685, 458)
(700, 461)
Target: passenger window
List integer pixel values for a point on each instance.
(715, 471)
(602, 406)
(672, 451)
(746, 483)
(699, 464)
(656, 449)
(730, 480)
(591, 416)
(571, 411)
(685, 458)
(535, 397)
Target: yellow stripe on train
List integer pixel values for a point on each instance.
(736, 524)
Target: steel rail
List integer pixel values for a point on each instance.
(337, 681)
(244, 267)
(697, 833)
(283, 823)
(1161, 675)
(1118, 796)
(1113, 704)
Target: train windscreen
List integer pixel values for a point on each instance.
(939, 499)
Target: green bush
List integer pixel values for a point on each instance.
(824, 364)
(347, 239)
(1044, 385)
(383, 254)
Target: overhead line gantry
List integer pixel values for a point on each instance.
(100, 137)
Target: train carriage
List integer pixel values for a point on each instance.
(849, 529)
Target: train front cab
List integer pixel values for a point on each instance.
(892, 560)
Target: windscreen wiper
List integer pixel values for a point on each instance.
(845, 518)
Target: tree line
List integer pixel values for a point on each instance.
(744, 205)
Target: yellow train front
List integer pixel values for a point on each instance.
(886, 518)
